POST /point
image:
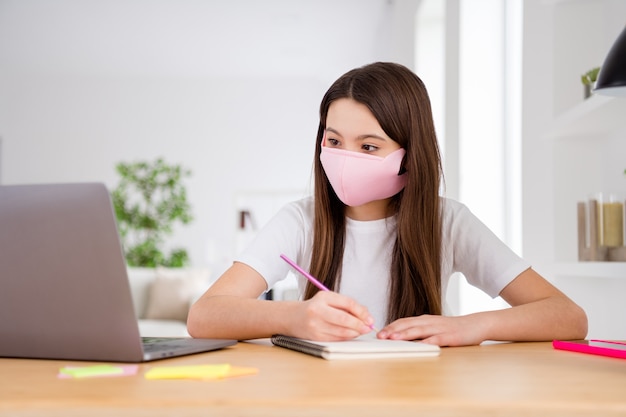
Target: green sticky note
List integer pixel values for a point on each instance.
(92, 371)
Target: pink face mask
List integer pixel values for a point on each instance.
(359, 178)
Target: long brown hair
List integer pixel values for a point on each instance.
(399, 101)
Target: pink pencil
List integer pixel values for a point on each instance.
(308, 276)
(313, 280)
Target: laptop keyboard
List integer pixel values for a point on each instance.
(156, 344)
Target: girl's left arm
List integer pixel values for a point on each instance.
(539, 312)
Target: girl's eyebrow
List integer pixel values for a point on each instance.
(371, 136)
(360, 137)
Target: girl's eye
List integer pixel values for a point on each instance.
(369, 148)
(332, 142)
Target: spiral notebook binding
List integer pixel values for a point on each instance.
(298, 345)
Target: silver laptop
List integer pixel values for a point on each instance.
(64, 290)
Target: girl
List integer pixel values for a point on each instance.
(377, 232)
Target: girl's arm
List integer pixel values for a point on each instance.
(230, 309)
(539, 312)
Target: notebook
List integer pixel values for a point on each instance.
(64, 290)
(364, 347)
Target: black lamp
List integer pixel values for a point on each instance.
(612, 77)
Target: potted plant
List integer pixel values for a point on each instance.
(149, 200)
(588, 79)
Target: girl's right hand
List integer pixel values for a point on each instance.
(330, 316)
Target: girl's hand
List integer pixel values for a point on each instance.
(438, 330)
(329, 316)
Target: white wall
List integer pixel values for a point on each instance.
(562, 40)
(228, 88)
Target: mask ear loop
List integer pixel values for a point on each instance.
(402, 164)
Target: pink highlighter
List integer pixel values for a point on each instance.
(594, 347)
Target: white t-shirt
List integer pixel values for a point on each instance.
(468, 246)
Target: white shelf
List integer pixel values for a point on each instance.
(595, 116)
(591, 269)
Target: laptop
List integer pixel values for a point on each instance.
(64, 290)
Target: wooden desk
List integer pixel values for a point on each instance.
(502, 379)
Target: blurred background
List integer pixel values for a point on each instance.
(230, 89)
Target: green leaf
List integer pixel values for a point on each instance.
(590, 76)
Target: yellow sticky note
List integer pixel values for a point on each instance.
(189, 372)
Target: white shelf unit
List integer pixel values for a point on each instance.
(580, 136)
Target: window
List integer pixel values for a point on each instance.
(469, 55)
